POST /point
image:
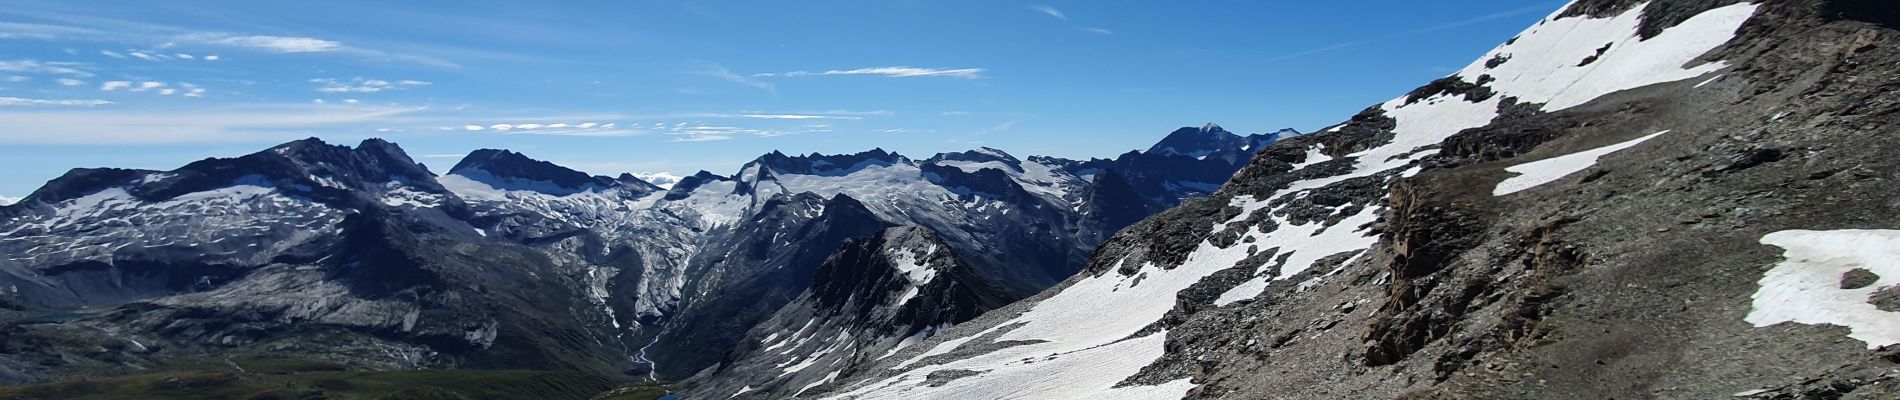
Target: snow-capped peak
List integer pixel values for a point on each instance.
(508, 170)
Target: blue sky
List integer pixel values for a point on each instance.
(681, 86)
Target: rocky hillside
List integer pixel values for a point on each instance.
(1668, 199)
(870, 299)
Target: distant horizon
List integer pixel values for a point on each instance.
(442, 169)
(679, 87)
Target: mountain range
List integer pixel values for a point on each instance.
(361, 256)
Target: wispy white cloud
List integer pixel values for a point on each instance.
(701, 137)
(894, 72)
(147, 86)
(664, 180)
(70, 82)
(37, 67)
(276, 44)
(705, 133)
(20, 30)
(796, 116)
(254, 123)
(95, 29)
(360, 85)
(719, 71)
(1057, 14)
(17, 101)
(675, 131)
(596, 129)
(155, 55)
(192, 90)
(1051, 11)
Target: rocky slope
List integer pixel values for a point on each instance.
(1669, 199)
(870, 299)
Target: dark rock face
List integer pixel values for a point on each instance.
(81, 182)
(826, 165)
(333, 175)
(687, 185)
(1190, 162)
(1656, 18)
(869, 299)
(1452, 85)
(980, 155)
(891, 264)
(759, 273)
(506, 169)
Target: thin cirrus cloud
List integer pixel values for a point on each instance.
(110, 125)
(674, 131)
(796, 116)
(37, 67)
(87, 28)
(18, 101)
(162, 88)
(892, 72)
(719, 71)
(276, 44)
(1051, 11)
(590, 129)
(1057, 14)
(157, 56)
(360, 85)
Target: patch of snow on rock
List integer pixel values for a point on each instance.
(1808, 287)
(1543, 61)
(1535, 173)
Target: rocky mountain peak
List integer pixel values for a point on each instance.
(895, 264)
(684, 188)
(1196, 142)
(979, 155)
(823, 164)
